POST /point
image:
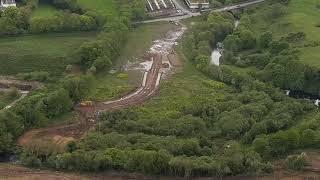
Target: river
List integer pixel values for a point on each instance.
(304, 95)
(217, 52)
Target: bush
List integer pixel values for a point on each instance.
(34, 76)
(297, 162)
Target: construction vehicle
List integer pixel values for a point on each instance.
(86, 104)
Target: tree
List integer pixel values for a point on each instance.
(261, 146)
(78, 87)
(201, 62)
(102, 63)
(265, 39)
(247, 39)
(232, 43)
(57, 103)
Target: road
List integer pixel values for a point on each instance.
(65, 133)
(190, 14)
(148, 88)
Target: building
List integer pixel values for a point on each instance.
(7, 3)
(198, 4)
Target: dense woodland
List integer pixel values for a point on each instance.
(241, 132)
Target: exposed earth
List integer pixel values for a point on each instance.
(161, 59)
(157, 65)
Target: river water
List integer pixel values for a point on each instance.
(217, 52)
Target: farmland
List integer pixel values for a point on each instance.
(44, 52)
(44, 10)
(107, 7)
(299, 16)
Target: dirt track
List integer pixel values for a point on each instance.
(75, 131)
(149, 86)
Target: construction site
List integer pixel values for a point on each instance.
(158, 63)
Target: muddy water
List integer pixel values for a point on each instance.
(215, 57)
(162, 47)
(165, 46)
(217, 52)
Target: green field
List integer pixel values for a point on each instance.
(44, 10)
(50, 52)
(301, 16)
(103, 6)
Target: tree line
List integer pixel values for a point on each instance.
(71, 17)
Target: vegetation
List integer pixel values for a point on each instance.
(277, 54)
(207, 120)
(196, 126)
(44, 10)
(102, 6)
(7, 97)
(297, 162)
(47, 52)
(58, 97)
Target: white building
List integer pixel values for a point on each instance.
(7, 3)
(198, 4)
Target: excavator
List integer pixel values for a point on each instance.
(86, 104)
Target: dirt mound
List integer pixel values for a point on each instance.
(12, 172)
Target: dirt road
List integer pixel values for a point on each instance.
(61, 135)
(149, 86)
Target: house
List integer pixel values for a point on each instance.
(7, 3)
(198, 4)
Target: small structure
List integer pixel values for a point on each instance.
(198, 4)
(7, 3)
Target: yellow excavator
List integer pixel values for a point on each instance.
(86, 104)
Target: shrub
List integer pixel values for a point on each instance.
(297, 162)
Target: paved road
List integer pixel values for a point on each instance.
(190, 14)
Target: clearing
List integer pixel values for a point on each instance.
(107, 7)
(44, 10)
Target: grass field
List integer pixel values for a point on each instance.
(44, 10)
(301, 16)
(103, 6)
(47, 52)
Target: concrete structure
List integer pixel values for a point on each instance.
(198, 4)
(7, 3)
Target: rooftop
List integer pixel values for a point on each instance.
(199, 1)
